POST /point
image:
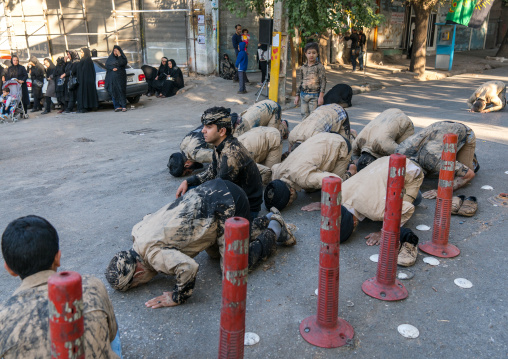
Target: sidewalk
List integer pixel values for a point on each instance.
(393, 71)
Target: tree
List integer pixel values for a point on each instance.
(422, 10)
(314, 16)
(503, 49)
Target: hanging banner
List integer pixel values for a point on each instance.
(481, 10)
(460, 12)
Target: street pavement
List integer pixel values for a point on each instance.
(95, 175)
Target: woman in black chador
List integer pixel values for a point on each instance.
(150, 74)
(116, 78)
(87, 92)
(37, 74)
(18, 72)
(71, 69)
(174, 81)
(60, 83)
(162, 73)
(51, 89)
(227, 68)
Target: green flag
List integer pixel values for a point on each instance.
(460, 12)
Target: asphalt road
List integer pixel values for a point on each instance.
(93, 182)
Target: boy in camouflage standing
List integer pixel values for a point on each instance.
(312, 81)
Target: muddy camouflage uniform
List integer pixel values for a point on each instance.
(426, 147)
(323, 155)
(492, 92)
(265, 147)
(263, 113)
(169, 239)
(326, 118)
(364, 194)
(383, 134)
(231, 161)
(312, 83)
(194, 147)
(24, 320)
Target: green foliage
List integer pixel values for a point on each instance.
(315, 16)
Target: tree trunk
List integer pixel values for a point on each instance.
(503, 49)
(418, 57)
(324, 48)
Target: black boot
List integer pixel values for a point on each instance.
(262, 247)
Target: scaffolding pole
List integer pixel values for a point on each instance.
(83, 9)
(63, 24)
(24, 23)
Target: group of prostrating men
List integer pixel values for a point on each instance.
(244, 151)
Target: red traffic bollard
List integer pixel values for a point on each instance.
(439, 245)
(66, 324)
(384, 285)
(325, 329)
(234, 288)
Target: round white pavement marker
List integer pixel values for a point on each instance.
(374, 258)
(422, 227)
(490, 188)
(463, 283)
(431, 260)
(408, 331)
(402, 276)
(250, 338)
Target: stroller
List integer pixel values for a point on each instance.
(17, 110)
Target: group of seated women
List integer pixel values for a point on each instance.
(165, 81)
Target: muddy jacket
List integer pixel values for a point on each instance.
(383, 134)
(265, 147)
(364, 194)
(168, 239)
(263, 113)
(231, 161)
(426, 147)
(24, 319)
(493, 92)
(312, 79)
(323, 155)
(194, 147)
(326, 118)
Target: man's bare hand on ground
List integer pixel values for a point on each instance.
(184, 186)
(316, 206)
(373, 239)
(164, 300)
(430, 194)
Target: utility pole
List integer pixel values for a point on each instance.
(279, 54)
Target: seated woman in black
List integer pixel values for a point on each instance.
(227, 68)
(162, 73)
(174, 81)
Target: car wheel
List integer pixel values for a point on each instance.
(134, 99)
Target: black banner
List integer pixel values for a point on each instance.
(481, 10)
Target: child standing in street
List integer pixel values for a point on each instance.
(312, 86)
(241, 63)
(5, 102)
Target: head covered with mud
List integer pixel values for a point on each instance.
(121, 269)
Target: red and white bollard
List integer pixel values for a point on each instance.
(66, 323)
(439, 245)
(234, 288)
(384, 285)
(326, 329)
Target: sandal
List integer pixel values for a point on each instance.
(124, 110)
(457, 203)
(469, 207)
(118, 109)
